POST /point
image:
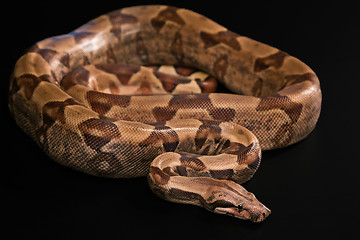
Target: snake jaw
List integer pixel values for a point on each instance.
(254, 214)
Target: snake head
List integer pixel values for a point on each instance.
(232, 199)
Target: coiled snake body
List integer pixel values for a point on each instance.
(89, 112)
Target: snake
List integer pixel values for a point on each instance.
(131, 94)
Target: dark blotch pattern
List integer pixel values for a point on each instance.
(191, 161)
(292, 109)
(103, 102)
(82, 36)
(192, 101)
(29, 82)
(53, 111)
(225, 37)
(117, 19)
(164, 135)
(274, 60)
(168, 14)
(123, 72)
(297, 78)
(222, 174)
(98, 132)
(50, 55)
(159, 176)
(208, 130)
(77, 76)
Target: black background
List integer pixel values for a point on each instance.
(311, 187)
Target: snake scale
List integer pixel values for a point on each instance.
(88, 101)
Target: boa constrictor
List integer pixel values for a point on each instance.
(195, 147)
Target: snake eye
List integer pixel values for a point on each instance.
(240, 208)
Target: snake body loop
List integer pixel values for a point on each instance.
(75, 97)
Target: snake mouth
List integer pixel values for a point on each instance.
(233, 212)
(244, 214)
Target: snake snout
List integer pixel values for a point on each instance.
(263, 213)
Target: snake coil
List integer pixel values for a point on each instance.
(75, 97)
